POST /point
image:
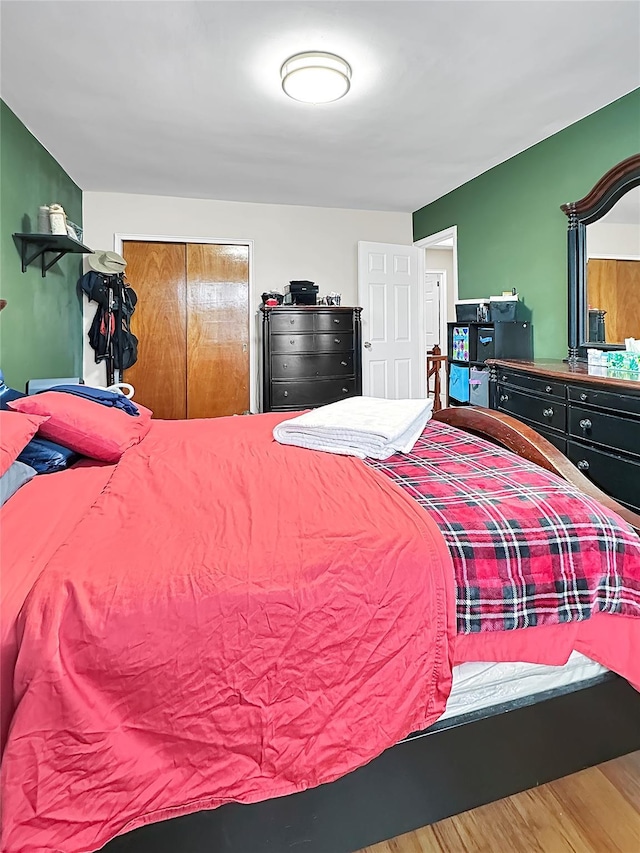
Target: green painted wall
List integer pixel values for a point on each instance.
(511, 231)
(41, 327)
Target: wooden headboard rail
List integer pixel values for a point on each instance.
(527, 443)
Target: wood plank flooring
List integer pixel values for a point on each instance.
(595, 811)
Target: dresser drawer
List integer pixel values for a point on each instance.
(620, 433)
(296, 321)
(331, 322)
(618, 476)
(292, 343)
(558, 441)
(340, 342)
(311, 365)
(532, 383)
(300, 395)
(605, 399)
(548, 413)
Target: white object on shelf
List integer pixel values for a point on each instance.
(44, 223)
(58, 219)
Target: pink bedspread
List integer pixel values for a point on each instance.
(228, 620)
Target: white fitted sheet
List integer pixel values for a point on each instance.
(481, 685)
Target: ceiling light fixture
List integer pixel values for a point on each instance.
(316, 78)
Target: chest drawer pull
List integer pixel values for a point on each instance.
(292, 341)
(548, 413)
(285, 393)
(585, 423)
(583, 465)
(345, 390)
(343, 363)
(504, 398)
(548, 389)
(583, 397)
(336, 320)
(336, 340)
(292, 321)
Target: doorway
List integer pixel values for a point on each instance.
(441, 271)
(192, 324)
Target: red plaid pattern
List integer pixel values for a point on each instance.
(528, 548)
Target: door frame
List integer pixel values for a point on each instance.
(450, 287)
(120, 238)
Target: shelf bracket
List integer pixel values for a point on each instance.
(55, 260)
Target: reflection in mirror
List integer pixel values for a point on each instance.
(613, 273)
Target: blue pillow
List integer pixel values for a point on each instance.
(15, 476)
(8, 394)
(47, 456)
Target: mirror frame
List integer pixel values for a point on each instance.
(609, 189)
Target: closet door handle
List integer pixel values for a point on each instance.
(583, 465)
(585, 424)
(547, 413)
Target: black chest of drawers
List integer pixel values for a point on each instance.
(594, 421)
(310, 357)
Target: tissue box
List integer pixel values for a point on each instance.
(627, 362)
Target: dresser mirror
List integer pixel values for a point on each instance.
(604, 262)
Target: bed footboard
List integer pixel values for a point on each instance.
(527, 443)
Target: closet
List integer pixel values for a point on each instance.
(192, 325)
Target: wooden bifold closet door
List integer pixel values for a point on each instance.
(192, 325)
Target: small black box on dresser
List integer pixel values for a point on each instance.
(311, 356)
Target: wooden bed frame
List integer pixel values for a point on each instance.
(451, 767)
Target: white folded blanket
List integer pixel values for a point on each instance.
(358, 426)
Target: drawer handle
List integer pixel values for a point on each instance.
(284, 365)
(547, 413)
(585, 423)
(345, 390)
(292, 341)
(343, 363)
(505, 378)
(336, 319)
(292, 321)
(336, 340)
(286, 394)
(583, 397)
(504, 398)
(548, 389)
(583, 465)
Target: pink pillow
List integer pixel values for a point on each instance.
(16, 431)
(89, 428)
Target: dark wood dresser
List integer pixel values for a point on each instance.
(310, 356)
(593, 419)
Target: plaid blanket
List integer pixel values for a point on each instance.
(528, 548)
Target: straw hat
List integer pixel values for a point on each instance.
(110, 263)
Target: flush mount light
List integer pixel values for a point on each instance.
(316, 78)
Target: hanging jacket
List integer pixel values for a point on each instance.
(110, 335)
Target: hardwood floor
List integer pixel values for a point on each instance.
(595, 811)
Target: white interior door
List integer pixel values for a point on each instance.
(391, 293)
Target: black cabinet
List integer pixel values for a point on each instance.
(469, 345)
(595, 422)
(310, 356)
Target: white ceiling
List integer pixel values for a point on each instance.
(184, 98)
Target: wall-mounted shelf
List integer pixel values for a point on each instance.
(57, 245)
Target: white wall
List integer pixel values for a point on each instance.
(613, 240)
(290, 242)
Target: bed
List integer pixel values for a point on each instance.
(108, 734)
